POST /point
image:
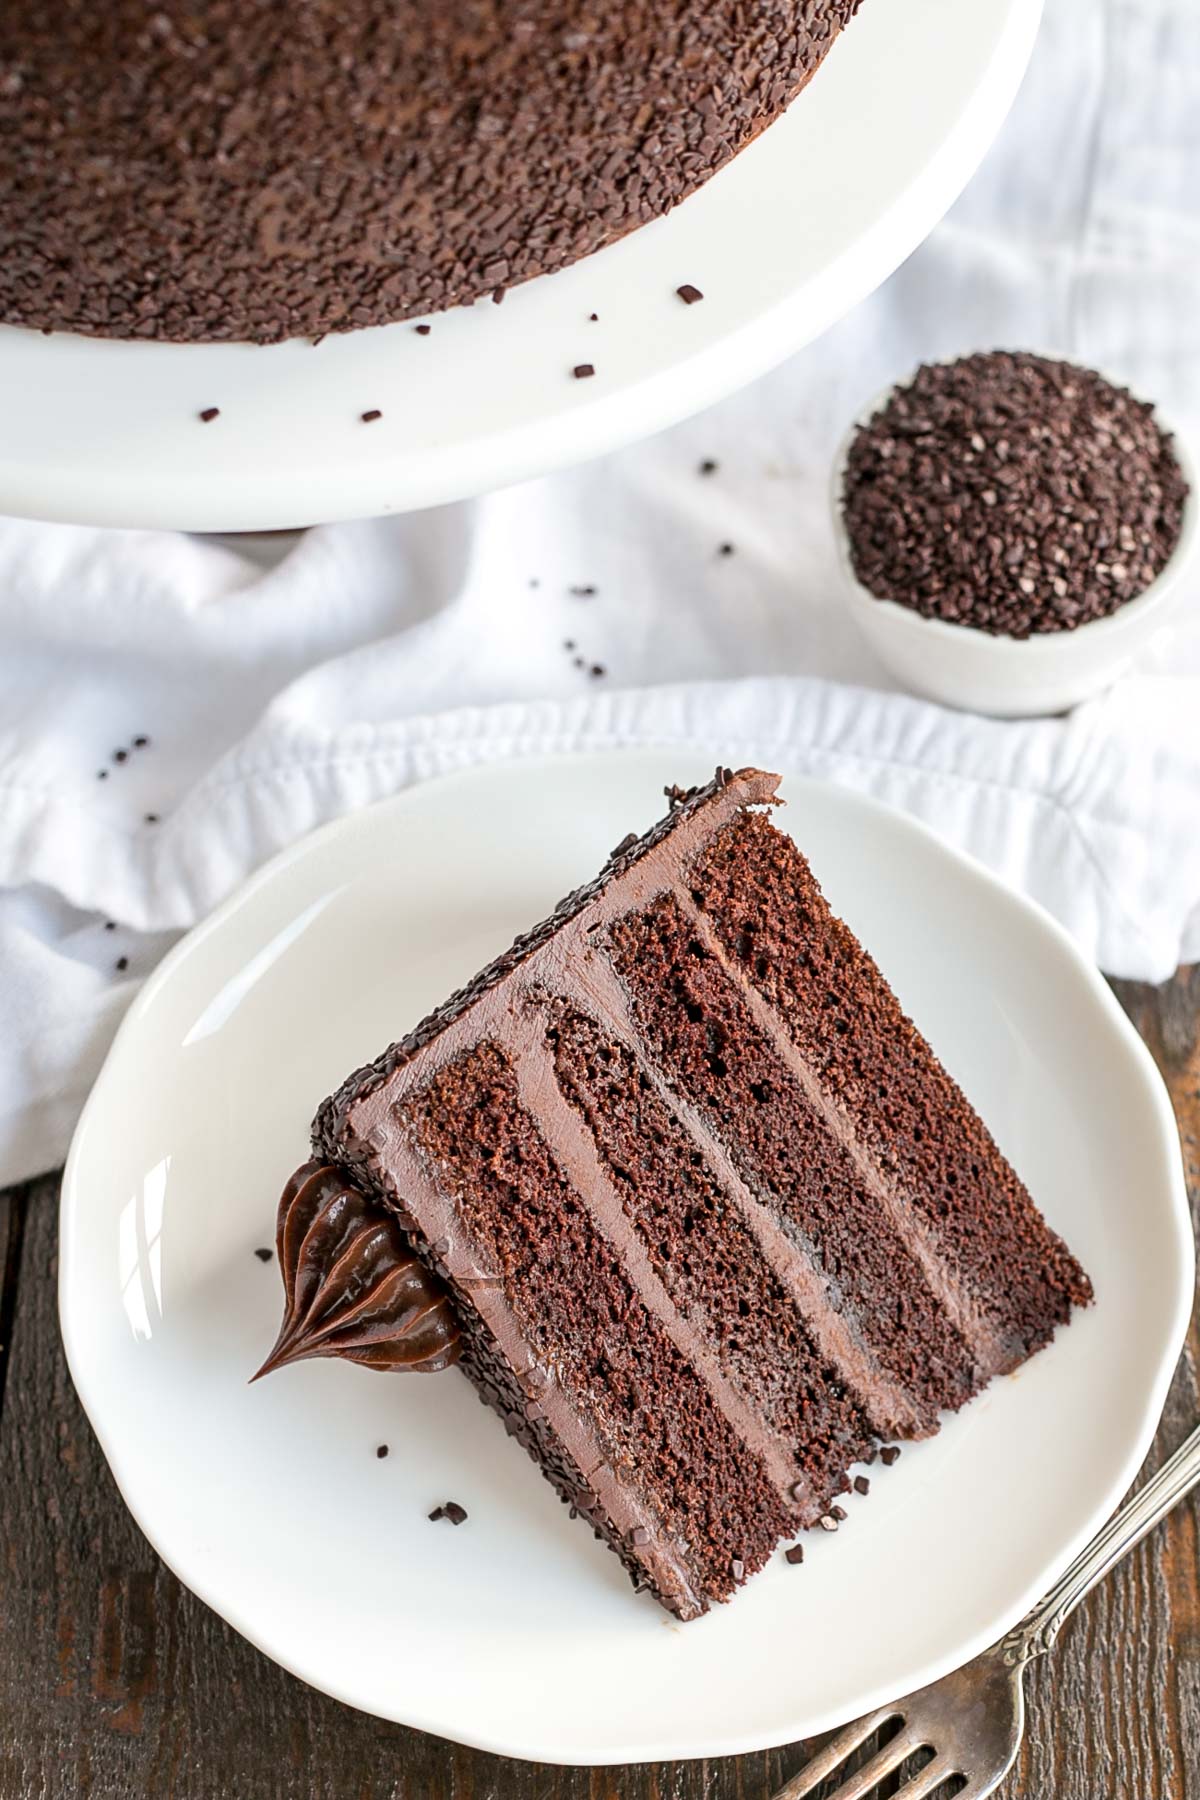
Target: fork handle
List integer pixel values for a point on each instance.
(1038, 1630)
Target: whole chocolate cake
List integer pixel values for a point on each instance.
(263, 169)
(700, 1210)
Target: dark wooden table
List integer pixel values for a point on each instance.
(116, 1682)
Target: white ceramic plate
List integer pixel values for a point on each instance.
(517, 1632)
(805, 222)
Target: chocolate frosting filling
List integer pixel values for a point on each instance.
(352, 1286)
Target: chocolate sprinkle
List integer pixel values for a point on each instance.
(581, 371)
(724, 549)
(794, 1553)
(594, 318)
(110, 924)
(596, 670)
(140, 742)
(423, 330)
(369, 418)
(122, 964)
(263, 1254)
(381, 1450)
(840, 1514)
(1012, 494)
(861, 1485)
(209, 414)
(263, 171)
(889, 1454)
(120, 756)
(689, 294)
(709, 466)
(454, 1512)
(151, 818)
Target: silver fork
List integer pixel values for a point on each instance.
(973, 1720)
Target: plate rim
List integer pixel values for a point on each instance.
(1176, 1316)
(141, 495)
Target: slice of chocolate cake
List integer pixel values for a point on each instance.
(711, 1217)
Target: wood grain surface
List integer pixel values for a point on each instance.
(115, 1682)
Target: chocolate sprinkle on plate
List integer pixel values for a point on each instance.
(151, 818)
(120, 756)
(122, 964)
(724, 549)
(369, 418)
(423, 330)
(689, 294)
(594, 318)
(861, 1485)
(381, 1451)
(140, 742)
(596, 670)
(888, 1454)
(581, 371)
(263, 1254)
(1013, 494)
(709, 466)
(110, 924)
(450, 1509)
(209, 414)
(794, 1553)
(840, 1514)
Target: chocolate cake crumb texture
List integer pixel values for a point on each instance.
(250, 169)
(602, 1152)
(1013, 494)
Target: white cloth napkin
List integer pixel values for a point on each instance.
(277, 695)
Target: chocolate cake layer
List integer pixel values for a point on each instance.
(256, 169)
(686, 1171)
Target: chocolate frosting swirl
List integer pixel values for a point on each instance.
(352, 1285)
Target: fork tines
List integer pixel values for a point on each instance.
(826, 1763)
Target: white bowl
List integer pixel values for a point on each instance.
(1009, 677)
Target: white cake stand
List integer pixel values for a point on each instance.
(793, 233)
